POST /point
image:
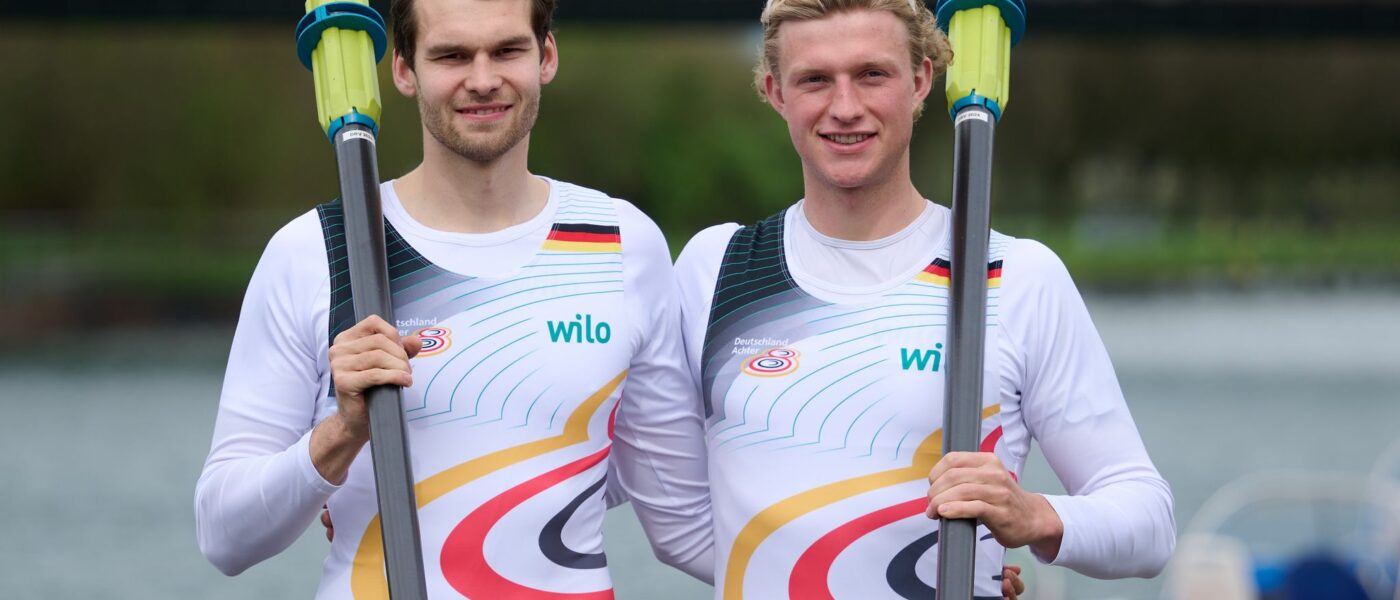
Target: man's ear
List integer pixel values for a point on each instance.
(923, 80)
(773, 90)
(549, 59)
(405, 79)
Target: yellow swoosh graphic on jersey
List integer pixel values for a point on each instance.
(786, 510)
(367, 573)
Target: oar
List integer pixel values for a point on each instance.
(341, 42)
(981, 33)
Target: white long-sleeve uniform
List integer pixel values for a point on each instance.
(534, 338)
(821, 364)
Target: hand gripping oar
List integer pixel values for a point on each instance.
(341, 42)
(982, 33)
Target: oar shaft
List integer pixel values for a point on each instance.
(962, 407)
(981, 33)
(369, 281)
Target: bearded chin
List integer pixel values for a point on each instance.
(480, 148)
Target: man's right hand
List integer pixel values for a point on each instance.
(367, 355)
(364, 356)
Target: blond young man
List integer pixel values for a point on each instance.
(816, 336)
(525, 307)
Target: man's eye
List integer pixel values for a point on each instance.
(510, 51)
(875, 74)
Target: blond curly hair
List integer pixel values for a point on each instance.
(925, 38)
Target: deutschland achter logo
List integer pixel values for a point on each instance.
(774, 363)
(435, 340)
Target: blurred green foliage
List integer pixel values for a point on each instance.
(149, 164)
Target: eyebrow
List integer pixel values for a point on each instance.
(803, 71)
(876, 64)
(520, 40)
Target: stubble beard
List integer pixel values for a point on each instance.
(481, 148)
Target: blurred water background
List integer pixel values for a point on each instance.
(1230, 205)
(104, 439)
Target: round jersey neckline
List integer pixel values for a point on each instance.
(796, 223)
(531, 233)
(805, 224)
(401, 219)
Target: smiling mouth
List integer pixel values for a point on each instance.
(848, 139)
(484, 112)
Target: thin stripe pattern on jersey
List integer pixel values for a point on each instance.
(823, 421)
(510, 415)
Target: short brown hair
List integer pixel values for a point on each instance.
(405, 24)
(925, 38)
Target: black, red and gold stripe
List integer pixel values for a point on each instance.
(583, 237)
(937, 273)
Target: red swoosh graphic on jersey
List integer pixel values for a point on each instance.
(367, 580)
(990, 442)
(464, 564)
(769, 520)
(810, 574)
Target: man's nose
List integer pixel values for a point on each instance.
(482, 78)
(846, 104)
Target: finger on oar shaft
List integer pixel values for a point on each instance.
(981, 33)
(341, 42)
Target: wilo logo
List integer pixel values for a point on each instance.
(922, 360)
(580, 330)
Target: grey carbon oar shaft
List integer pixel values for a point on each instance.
(967, 326)
(369, 284)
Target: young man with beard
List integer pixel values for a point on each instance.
(524, 306)
(817, 336)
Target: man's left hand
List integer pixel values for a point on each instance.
(326, 522)
(975, 485)
(1011, 585)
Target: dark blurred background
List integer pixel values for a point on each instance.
(153, 147)
(1222, 178)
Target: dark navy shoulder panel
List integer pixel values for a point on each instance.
(754, 268)
(332, 216)
(403, 260)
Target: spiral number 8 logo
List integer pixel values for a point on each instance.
(435, 340)
(774, 363)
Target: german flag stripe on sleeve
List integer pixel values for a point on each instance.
(583, 237)
(938, 271)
